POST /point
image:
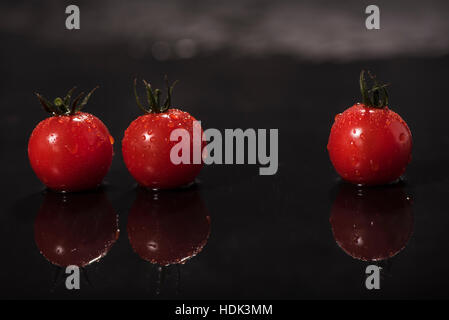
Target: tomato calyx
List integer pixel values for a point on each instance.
(377, 95)
(155, 104)
(63, 106)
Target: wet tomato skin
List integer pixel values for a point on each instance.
(146, 150)
(369, 146)
(71, 152)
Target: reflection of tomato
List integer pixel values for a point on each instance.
(146, 146)
(369, 143)
(168, 227)
(372, 224)
(72, 150)
(75, 229)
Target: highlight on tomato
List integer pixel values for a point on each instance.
(71, 150)
(370, 144)
(146, 145)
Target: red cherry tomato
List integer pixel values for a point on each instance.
(146, 147)
(71, 151)
(369, 144)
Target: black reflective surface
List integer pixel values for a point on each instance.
(270, 236)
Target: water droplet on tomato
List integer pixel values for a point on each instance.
(402, 137)
(356, 132)
(374, 166)
(72, 149)
(52, 138)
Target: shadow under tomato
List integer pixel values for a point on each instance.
(372, 223)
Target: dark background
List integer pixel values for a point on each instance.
(289, 65)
